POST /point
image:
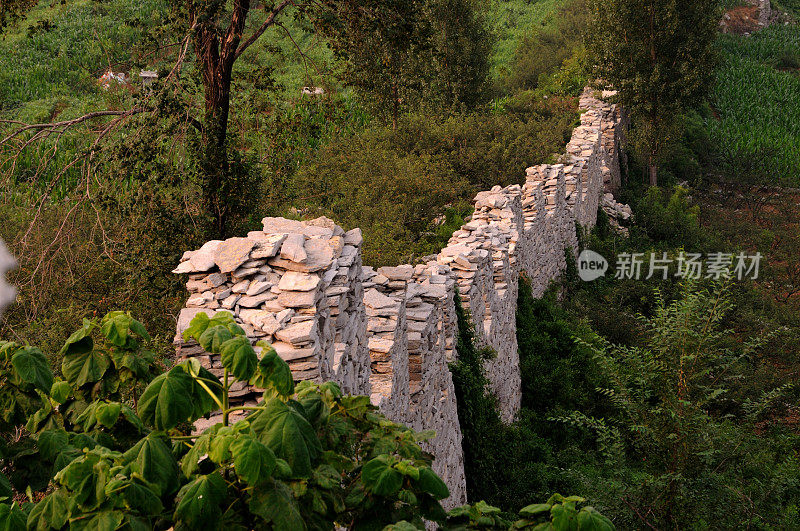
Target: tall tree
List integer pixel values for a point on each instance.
(404, 54)
(659, 55)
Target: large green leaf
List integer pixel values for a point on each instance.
(107, 413)
(591, 520)
(276, 504)
(117, 326)
(212, 339)
(102, 521)
(5, 487)
(53, 442)
(80, 340)
(136, 361)
(252, 461)
(381, 477)
(237, 355)
(203, 402)
(227, 320)
(11, 518)
(199, 502)
(196, 327)
(99, 412)
(153, 460)
(60, 391)
(85, 366)
(137, 496)
(32, 367)
(219, 449)
(433, 484)
(273, 372)
(536, 509)
(190, 461)
(168, 400)
(288, 434)
(51, 512)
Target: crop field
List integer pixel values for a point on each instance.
(757, 101)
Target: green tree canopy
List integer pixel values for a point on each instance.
(660, 56)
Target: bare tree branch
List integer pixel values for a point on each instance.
(55, 125)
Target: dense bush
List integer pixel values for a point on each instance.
(393, 184)
(504, 464)
(679, 426)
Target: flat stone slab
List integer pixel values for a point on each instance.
(293, 248)
(401, 272)
(299, 333)
(298, 281)
(232, 253)
(375, 299)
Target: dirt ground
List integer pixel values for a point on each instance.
(740, 20)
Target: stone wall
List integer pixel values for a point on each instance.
(7, 293)
(390, 333)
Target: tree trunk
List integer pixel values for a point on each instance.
(217, 56)
(652, 171)
(214, 157)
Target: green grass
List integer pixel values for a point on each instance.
(59, 51)
(757, 98)
(789, 6)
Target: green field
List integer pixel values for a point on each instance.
(757, 101)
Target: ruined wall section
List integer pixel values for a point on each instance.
(390, 333)
(297, 286)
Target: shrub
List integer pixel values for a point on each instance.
(394, 184)
(305, 457)
(669, 219)
(691, 443)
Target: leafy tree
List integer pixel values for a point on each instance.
(461, 46)
(105, 365)
(660, 57)
(544, 50)
(683, 424)
(212, 37)
(403, 54)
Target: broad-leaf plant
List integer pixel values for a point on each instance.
(108, 455)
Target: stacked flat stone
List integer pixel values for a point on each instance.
(7, 292)
(495, 227)
(411, 381)
(430, 310)
(390, 333)
(613, 126)
(294, 284)
(549, 180)
(583, 165)
(387, 336)
(617, 213)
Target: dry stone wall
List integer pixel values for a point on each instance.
(390, 333)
